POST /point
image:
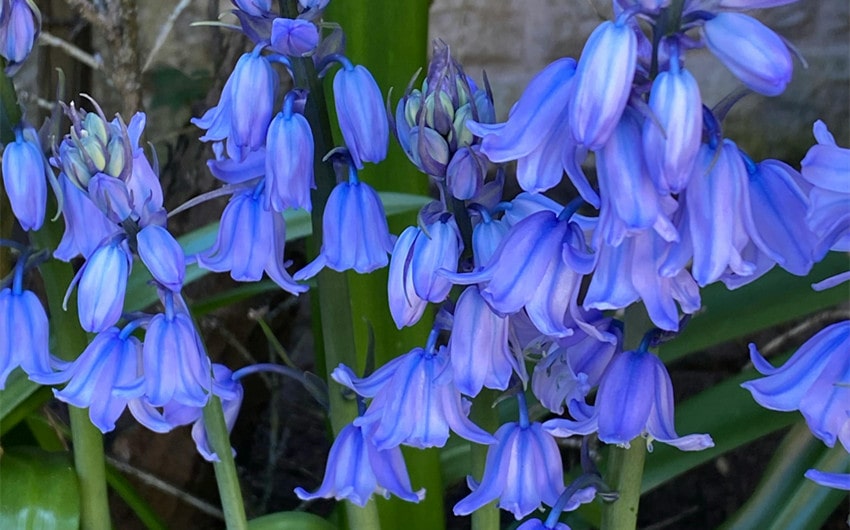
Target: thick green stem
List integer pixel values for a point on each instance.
(225, 469)
(91, 471)
(485, 415)
(625, 470)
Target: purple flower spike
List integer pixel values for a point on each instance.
(362, 117)
(23, 334)
(19, 30)
(355, 234)
(294, 37)
(381, 471)
(175, 364)
(111, 360)
(24, 178)
(102, 284)
(812, 381)
(636, 396)
(253, 93)
(603, 82)
(751, 51)
(163, 256)
(478, 348)
(523, 470)
(289, 161)
(671, 152)
(414, 402)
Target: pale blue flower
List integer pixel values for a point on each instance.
(24, 178)
(361, 113)
(289, 160)
(295, 37)
(162, 255)
(102, 284)
(24, 332)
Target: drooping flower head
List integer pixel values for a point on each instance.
(360, 109)
(24, 178)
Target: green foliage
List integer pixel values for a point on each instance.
(290, 521)
(38, 490)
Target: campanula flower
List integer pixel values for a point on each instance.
(523, 470)
(19, 29)
(377, 470)
(296, 37)
(246, 258)
(176, 367)
(826, 166)
(813, 381)
(162, 255)
(24, 178)
(478, 347)
(670, 144)
(751, 51)
(414, 401)
(111, 360)
(361, 113)
(24, 332)
(102, 284)
(355, 234)
(289, 160)
(603, 82)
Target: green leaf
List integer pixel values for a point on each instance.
(232, 296)
(45, 495)
(798, 452)
(20, 397)
(136, 502)
(140, 295)
(775, 298)
(728, 413)
(290, 521)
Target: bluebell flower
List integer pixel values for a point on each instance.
(296, 37)
(142, 182)
(361, 114)
(377, 470)
(750, 4)
(414, 401)
(751, 51)
(234, 171)
(465, 173)
(486, 237)
(102, 284)
(671, 143)
(257, 8)
(19, 29)
(355, 234)
(229, 391)
(523, 470)
(537, 524)
(438, 246)
(24, 333)
(247, 257)
(111, 196)
(603, 82)
(478, 347)
(86, 227)
(289, 160)
(406, 307)
(839, 481)
(176, 367)
(112, 359)
(635, 397)
(778, 203)
(813, 381)
(162, 255)
(254, 85)
(825, 167)
(24, 178)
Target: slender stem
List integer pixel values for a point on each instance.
(91, 470)
(485, 415)
(625, 466)
(338, 336)
(225, 469)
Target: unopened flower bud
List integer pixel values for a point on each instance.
(115, 149)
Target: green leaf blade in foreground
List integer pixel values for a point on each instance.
(38, 490)
(290, 521)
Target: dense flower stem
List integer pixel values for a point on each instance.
(335, 317)
(625, 466)
(89, 461)
(485, 415)
(225, 469)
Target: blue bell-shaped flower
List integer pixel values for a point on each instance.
(289, 160)
(24, 178)
(361, 113)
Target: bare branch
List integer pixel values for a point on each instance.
(89, 12)
(48, 39)
(164, 31)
